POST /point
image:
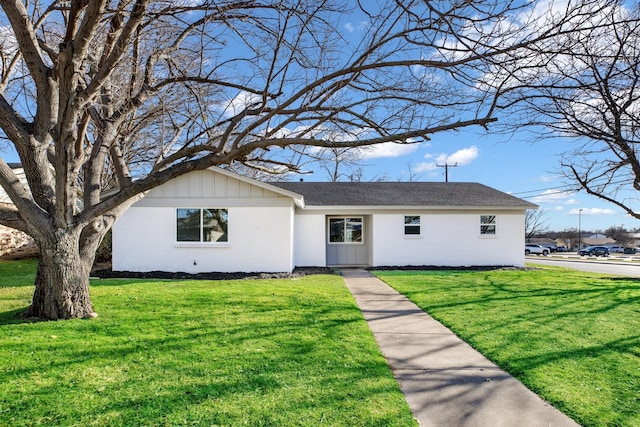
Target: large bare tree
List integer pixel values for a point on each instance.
(126, 95)
(585, 88)
(535, 223)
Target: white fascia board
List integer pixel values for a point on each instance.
(410, 207)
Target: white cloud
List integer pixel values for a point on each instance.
(360, 26)
(552, 196)
(547, 178)
(425, 167)
(549, 8)
(543, 17)
(389, 149)
(241, 101)
(593, 211)
(571, 202)
(280, 133)
(461, 157)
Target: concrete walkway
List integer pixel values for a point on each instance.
(445, 381)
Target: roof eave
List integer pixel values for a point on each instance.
(419, 207)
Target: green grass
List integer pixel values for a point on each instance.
(16, 290)
(572, 337)
(18, 273)
(177, 353)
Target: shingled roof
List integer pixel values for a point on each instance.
(431, 194)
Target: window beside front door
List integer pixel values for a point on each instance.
(345, 230)
(412, 225)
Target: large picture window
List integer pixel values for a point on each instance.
(487, 225)
(202, 225)
(345, 230)
(412, 225)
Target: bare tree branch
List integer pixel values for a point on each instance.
(586, 88)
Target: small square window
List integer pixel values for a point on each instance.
(487, 225)
(412, 225)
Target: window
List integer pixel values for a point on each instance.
(412, 225)
(487, 225)
(202, 225)
(345, 230)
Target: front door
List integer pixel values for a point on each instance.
(347, 242)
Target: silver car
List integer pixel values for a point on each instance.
(532, 248)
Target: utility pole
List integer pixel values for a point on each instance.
(446, 167)
(579, 229)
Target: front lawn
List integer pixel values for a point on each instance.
(572, 337)
(287, 352)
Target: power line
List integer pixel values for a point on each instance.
(560, 187)
(548, 194)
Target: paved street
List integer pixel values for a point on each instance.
(620, 265)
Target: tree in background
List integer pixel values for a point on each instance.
(338, 163)
(619, 234)
(535, 223)
(127, 95)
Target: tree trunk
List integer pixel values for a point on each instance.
(62, 279)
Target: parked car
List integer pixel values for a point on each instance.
(551, 246)
(616, 249)
(532, 248)
(594, 251)
(562, 248)
(630, 250)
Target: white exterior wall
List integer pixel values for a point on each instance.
(260, 228)
(267, 233)
(4, 197)
(309, 240)
(449, 239)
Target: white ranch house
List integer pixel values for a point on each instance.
(217, 221)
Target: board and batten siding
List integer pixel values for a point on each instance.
(260, 228)
(207, 185)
